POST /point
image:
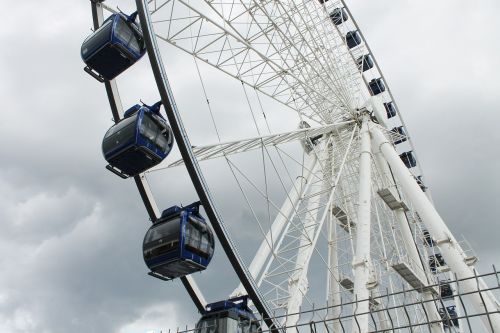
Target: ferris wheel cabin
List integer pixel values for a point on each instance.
(365, 62)
(339, 16)
(352, 39)
(179, 243)
(390, 109)
(376, 86)
(228, 316)
(436, 261)
(113, 48)
(420, 183)
(401, 133)
(141, 140)
(408, 159)
(445, 290)
(449, 316)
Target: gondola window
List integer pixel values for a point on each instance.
(126, 34)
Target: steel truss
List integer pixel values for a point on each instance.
(354, 210)
(268, 45)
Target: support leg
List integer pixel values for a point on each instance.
(333, 294)
(450, 249)
(286, 212)
(362, 260)
(409, 244)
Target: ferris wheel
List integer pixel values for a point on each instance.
(314, 162)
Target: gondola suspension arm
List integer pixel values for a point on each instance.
(140, 180)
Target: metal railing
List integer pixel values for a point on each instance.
(392, 312)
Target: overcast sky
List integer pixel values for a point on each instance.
(71, 253)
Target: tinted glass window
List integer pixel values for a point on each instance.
(119, 134)
(123, 31)
(167, 231)
(244, 326)
(162, 142)
(232, 325)
(210, 239)
(149, 128)
(134, 44)
(205, 243)
(153, 132)
(126, 35)
(198, 238)
(208, 325)
(97, 39)
(162, 238)
(120, 126)
(193, 237)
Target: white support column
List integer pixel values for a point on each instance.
(462, 322)
(333, 298)
(450, 249)
(284, 215)
(362, 262)
(281, 238)
(333, 293)
(384, 322)
(298, 284)
(409, 244)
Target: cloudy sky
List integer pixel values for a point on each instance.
(70, 253)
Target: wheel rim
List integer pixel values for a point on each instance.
(345, 103)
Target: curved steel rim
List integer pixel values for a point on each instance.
(194, 170)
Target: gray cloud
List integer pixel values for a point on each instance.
(71, 253)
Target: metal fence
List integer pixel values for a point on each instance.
(392, 312)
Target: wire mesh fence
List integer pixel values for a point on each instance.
(389, 312)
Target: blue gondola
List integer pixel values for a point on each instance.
(390, 109)
(428, 238)
(435, 261)
(445, 290)
(376, 86)
(365, 62)
(114, 47)
(408, 159)
(229, 316)
(141, 140)
(449, 316)
(339, 16)
(420, 183)
(399, 131)
(179, 243)
(353, 39)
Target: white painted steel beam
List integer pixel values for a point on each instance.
(235, 147)
(284, 216)
(450, 249)
(409, 243)
(333, 298)
(298, 284)
(299, 60)
(281, 246)
(363, 277)
(333, 277)
(284, 263)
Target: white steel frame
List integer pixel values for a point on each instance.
(291, 52)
